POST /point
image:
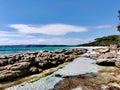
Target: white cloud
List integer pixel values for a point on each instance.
(9, 38)
(4, 39)
(10, 41)
(55, 29)
(50, 41)
(6, 34)
(49, 29)
(23, 34)
(67, 41)
(105, 26)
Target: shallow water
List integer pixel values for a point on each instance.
(8, 50)
(79, 66)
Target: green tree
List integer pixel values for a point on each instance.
(118, 28)
(119, 19)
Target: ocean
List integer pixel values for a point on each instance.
(8, 50)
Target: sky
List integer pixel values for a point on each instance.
(68, 22)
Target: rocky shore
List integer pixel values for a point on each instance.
(20, 65)
(109, 56)
(105, 59)
(78, 66)
(108, 77)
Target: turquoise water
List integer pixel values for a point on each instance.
(7, 50)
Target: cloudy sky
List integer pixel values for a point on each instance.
(56, 21)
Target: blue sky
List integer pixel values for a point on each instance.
(57, 21)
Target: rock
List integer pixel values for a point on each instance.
(108, 56)
(34, 69)
(72, 56)
(93, 54)
(54, 62)
(3, 57)
(105, 62)
(107, 59)
(113, 88)
(3, 62)
(19, 66)
(117, 63)
(102, 50)
(11, 60)
(42, 64)
(9, 74)
(7, 67)
(61, 76)
(113, 47)
(13, 66)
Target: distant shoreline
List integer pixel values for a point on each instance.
(38, 45)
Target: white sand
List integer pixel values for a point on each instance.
(91, 47)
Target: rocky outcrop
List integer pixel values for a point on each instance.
(108, 78)
(13, 66)
(95, 53)
(109, 56)
(107, 59)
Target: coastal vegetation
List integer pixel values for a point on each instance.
(104, 41)
(118, 28)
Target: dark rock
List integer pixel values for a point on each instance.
(3, 62)
(19, 66)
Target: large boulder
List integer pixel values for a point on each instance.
(102, 50)
(107, 59)
(106, 62)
